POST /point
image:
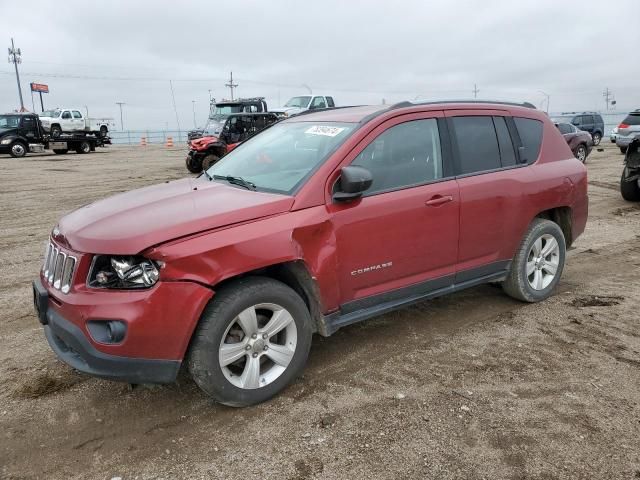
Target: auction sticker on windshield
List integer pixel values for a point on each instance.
(324, 130)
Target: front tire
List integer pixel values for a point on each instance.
(18, 149)
(253, 339)
(538, 263)
(596, 138)
(630, 191)
(194, 165)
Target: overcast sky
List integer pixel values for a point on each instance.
(96, 54)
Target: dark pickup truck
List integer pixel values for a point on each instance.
(22, 133)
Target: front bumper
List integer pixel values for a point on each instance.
(159, 321)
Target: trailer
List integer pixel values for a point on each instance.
(22, 133)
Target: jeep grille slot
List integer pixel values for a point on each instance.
(58, 268)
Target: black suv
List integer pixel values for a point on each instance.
(591, 122)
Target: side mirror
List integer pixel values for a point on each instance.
(354, 181)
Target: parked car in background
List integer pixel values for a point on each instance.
(591, 122)
(72, 120)
(219, 112)
(613, 134)
(300, 104)
(318, 222)
(212, 146)
(628, 129)
(579, 141)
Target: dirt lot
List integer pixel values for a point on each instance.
(474, 385)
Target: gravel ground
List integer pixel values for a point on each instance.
(474, 385)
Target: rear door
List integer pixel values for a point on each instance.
(491, 179)
(401, 238)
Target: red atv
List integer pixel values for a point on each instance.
(207, 150)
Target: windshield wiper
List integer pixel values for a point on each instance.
(236, 181)
(206, 174)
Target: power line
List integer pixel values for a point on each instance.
(15, 57)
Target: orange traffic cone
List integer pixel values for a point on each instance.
(143, 141)
(169, 142)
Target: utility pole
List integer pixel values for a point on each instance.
(475, 91)
(15, 57)
(607, 94)
(231, 85)
(548, 97)
(121, 122)
(193, 103)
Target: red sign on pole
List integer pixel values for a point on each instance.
(39, 87)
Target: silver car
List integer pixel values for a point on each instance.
(628, 130)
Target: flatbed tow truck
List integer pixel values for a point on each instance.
(22, 133)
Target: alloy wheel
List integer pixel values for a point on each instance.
(258, 346)
(581, 153)
(542, 262)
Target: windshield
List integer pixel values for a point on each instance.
(281, 157)
(221, 112)
(50, 113)
(9, 121)
(299, 102)
(212, 128)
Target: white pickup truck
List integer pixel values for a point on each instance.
(302, 103)
(72, 120)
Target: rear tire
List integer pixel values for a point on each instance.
(597, 137)
(209, 160)
(581, 153)
(193, 165)
(60, 151)
(84, 147)
(239, 368)
(538, 263)
(623, 149)
(630, 191)
(18, 149)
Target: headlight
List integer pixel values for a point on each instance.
(5, 141)
(123, 272)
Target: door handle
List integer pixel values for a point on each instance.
(437, 200)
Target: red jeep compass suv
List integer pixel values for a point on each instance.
(322, 220)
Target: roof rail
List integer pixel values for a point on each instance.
(437, 102)
(307, 112)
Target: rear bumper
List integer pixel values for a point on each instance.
(624, 141)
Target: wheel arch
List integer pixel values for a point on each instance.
(297, 276)
(563, 217)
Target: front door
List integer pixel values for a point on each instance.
(401, 238)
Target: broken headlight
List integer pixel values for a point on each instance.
(123, 272)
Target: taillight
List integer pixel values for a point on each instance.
(623, 125)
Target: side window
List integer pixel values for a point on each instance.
(28, 123)
(404, 155)
(318, 102)
(477, 144)
(530, 132)
(77, 114)
(578, 120)
(507, 153)
(66, 115)
(330, 102)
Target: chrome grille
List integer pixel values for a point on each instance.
(58, 268)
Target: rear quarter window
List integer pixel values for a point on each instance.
(530, 132)
(632, 120)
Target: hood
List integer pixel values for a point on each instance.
(288, 110)
(203, 142)
(5, 131)
(131, 222)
